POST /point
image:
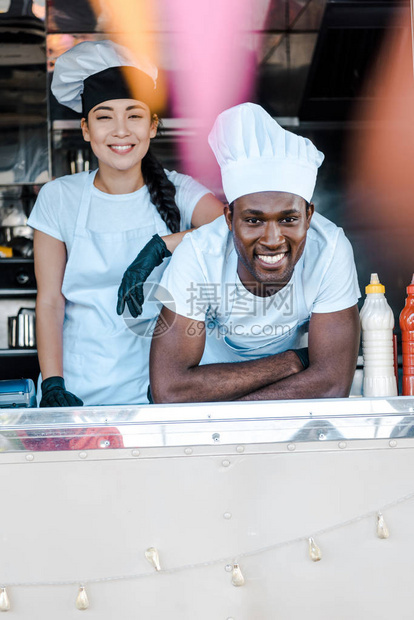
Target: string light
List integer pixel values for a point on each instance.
(314, 551)
(381, 527)
(4, 600)
(237, 578)
(82, 601)
(153, 557)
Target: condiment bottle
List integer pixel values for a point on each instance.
(407, 337)
(377, 323)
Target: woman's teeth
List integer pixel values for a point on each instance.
(270, 260)
(124, 147)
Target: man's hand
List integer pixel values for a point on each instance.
(303, 355)
(333, 351)
(131, 289)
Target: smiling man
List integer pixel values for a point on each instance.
(264, 298)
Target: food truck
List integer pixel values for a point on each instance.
(225, 510)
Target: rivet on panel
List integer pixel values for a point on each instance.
(225, 463)
(291, 447)
(215, 437)
(393, 443)
(29, 457)
(240, 449)
(228, 568)
(83, 455)
(135, 452)
(342, 445)
(227, 515)
(188, 451)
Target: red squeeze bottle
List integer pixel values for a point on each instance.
(407, 337)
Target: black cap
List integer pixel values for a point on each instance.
(115, 83)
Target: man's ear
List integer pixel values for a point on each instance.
(309, 212)
(85, 130)
(228, 214)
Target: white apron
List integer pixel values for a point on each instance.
(104, 362)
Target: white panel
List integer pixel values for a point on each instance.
(79, 520)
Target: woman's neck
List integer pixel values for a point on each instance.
(113, 181)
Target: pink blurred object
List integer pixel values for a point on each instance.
(216, 69)
(380, 158)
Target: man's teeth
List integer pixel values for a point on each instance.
(123, 147)
(271, 260)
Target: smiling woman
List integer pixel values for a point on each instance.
(120, 134)
(90, 226)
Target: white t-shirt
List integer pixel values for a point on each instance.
(203, 282)
(57, 204)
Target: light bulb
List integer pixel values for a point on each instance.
(237, 578)
(4, 600)
(153, 557)
(315, 553)
(82, 601)
(382, 529)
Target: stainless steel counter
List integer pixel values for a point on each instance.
(207, 425)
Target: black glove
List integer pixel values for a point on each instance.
(54, 394)
(131, 289)
(149, 396)
(303, 355)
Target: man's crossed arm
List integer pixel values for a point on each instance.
(176, 375)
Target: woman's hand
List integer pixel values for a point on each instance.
(131, 289)
(54, 394)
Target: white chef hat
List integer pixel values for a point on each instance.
(90, 73)
(255, 154)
